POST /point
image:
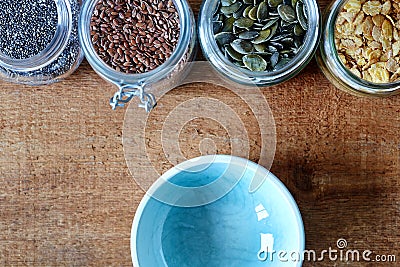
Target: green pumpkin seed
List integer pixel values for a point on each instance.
(288, 30)
(263, 54)
(255, 62)
(277, 45)
(274, 59)
(238, 14)
(294, 2)
(285, 53)
(297, 43)
(282, 63)
(217, 17)
(272, 34)
(227, 2)
(269, 23)
(242, 46)
(260, 47)
(272, 49)
(265, 35)
(253, 13)
(286, 13)
(257, 26)
(248, 2)
(227, 10)
(274, 3)
(246, 11)
(224, 38)
(248, 35)
(287, 41)
(243, 23)
(285, 24)
(298, 30)
(234, 54)
(262, 11)
(228, 24)
(273, 29)
(280, 37)
(217, 26)
(237, 30)
(300, 16)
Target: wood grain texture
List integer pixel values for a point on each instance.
(67, 197)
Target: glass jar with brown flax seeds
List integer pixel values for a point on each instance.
(138, 45)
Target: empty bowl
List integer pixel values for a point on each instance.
(217, 211)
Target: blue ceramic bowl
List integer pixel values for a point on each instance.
(208, 212)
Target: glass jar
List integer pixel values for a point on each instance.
(243, 76)
(173, 70)
(60, 58)
(331, 65)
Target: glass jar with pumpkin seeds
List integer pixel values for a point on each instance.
(360, 47)
(138, 45)
(39, 41)
(259, 42)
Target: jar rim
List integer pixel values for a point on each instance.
(265, 78)
(53, 50)
(330, 57)
(120, 78)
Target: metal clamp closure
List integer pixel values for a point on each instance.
(127, 92)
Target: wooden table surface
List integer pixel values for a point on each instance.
(67, 197)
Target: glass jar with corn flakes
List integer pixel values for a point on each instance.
(360, 46)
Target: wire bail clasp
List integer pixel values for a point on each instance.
(127, 92)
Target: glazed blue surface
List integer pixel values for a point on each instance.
(226, 232)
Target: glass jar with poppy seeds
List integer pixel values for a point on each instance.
(137, 44)
(360, 47)
(39, 41)
(259, 42)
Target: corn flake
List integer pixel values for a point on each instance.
(353, 6)
(372, 8)
(378, 73)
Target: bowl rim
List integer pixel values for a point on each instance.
(210, 159)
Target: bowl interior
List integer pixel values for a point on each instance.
(226, 232)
